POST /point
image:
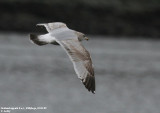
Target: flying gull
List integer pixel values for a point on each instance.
(60, 34)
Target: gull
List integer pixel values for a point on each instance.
(69, 40)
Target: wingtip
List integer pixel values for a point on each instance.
(89, 83)
(40, 24)
(94, 92)
(35, 40)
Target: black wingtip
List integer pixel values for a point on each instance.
(33, 37)
(35, 40)
(90, 83)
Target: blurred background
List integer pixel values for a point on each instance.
(124, 45)
(103, 17)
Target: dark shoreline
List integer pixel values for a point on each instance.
(90, 19)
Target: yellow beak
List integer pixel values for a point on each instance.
(86, 38)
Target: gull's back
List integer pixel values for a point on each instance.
(63, 33)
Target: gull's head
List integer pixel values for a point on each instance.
(85, 38)
(81, 36)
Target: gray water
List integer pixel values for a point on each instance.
(127, 76)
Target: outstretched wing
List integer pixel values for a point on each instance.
(52, 26)
(81, 60)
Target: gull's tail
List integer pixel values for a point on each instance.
(36, 39)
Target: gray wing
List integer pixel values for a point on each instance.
(81, 60)
(52, 26)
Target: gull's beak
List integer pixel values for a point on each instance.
(86, 38)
